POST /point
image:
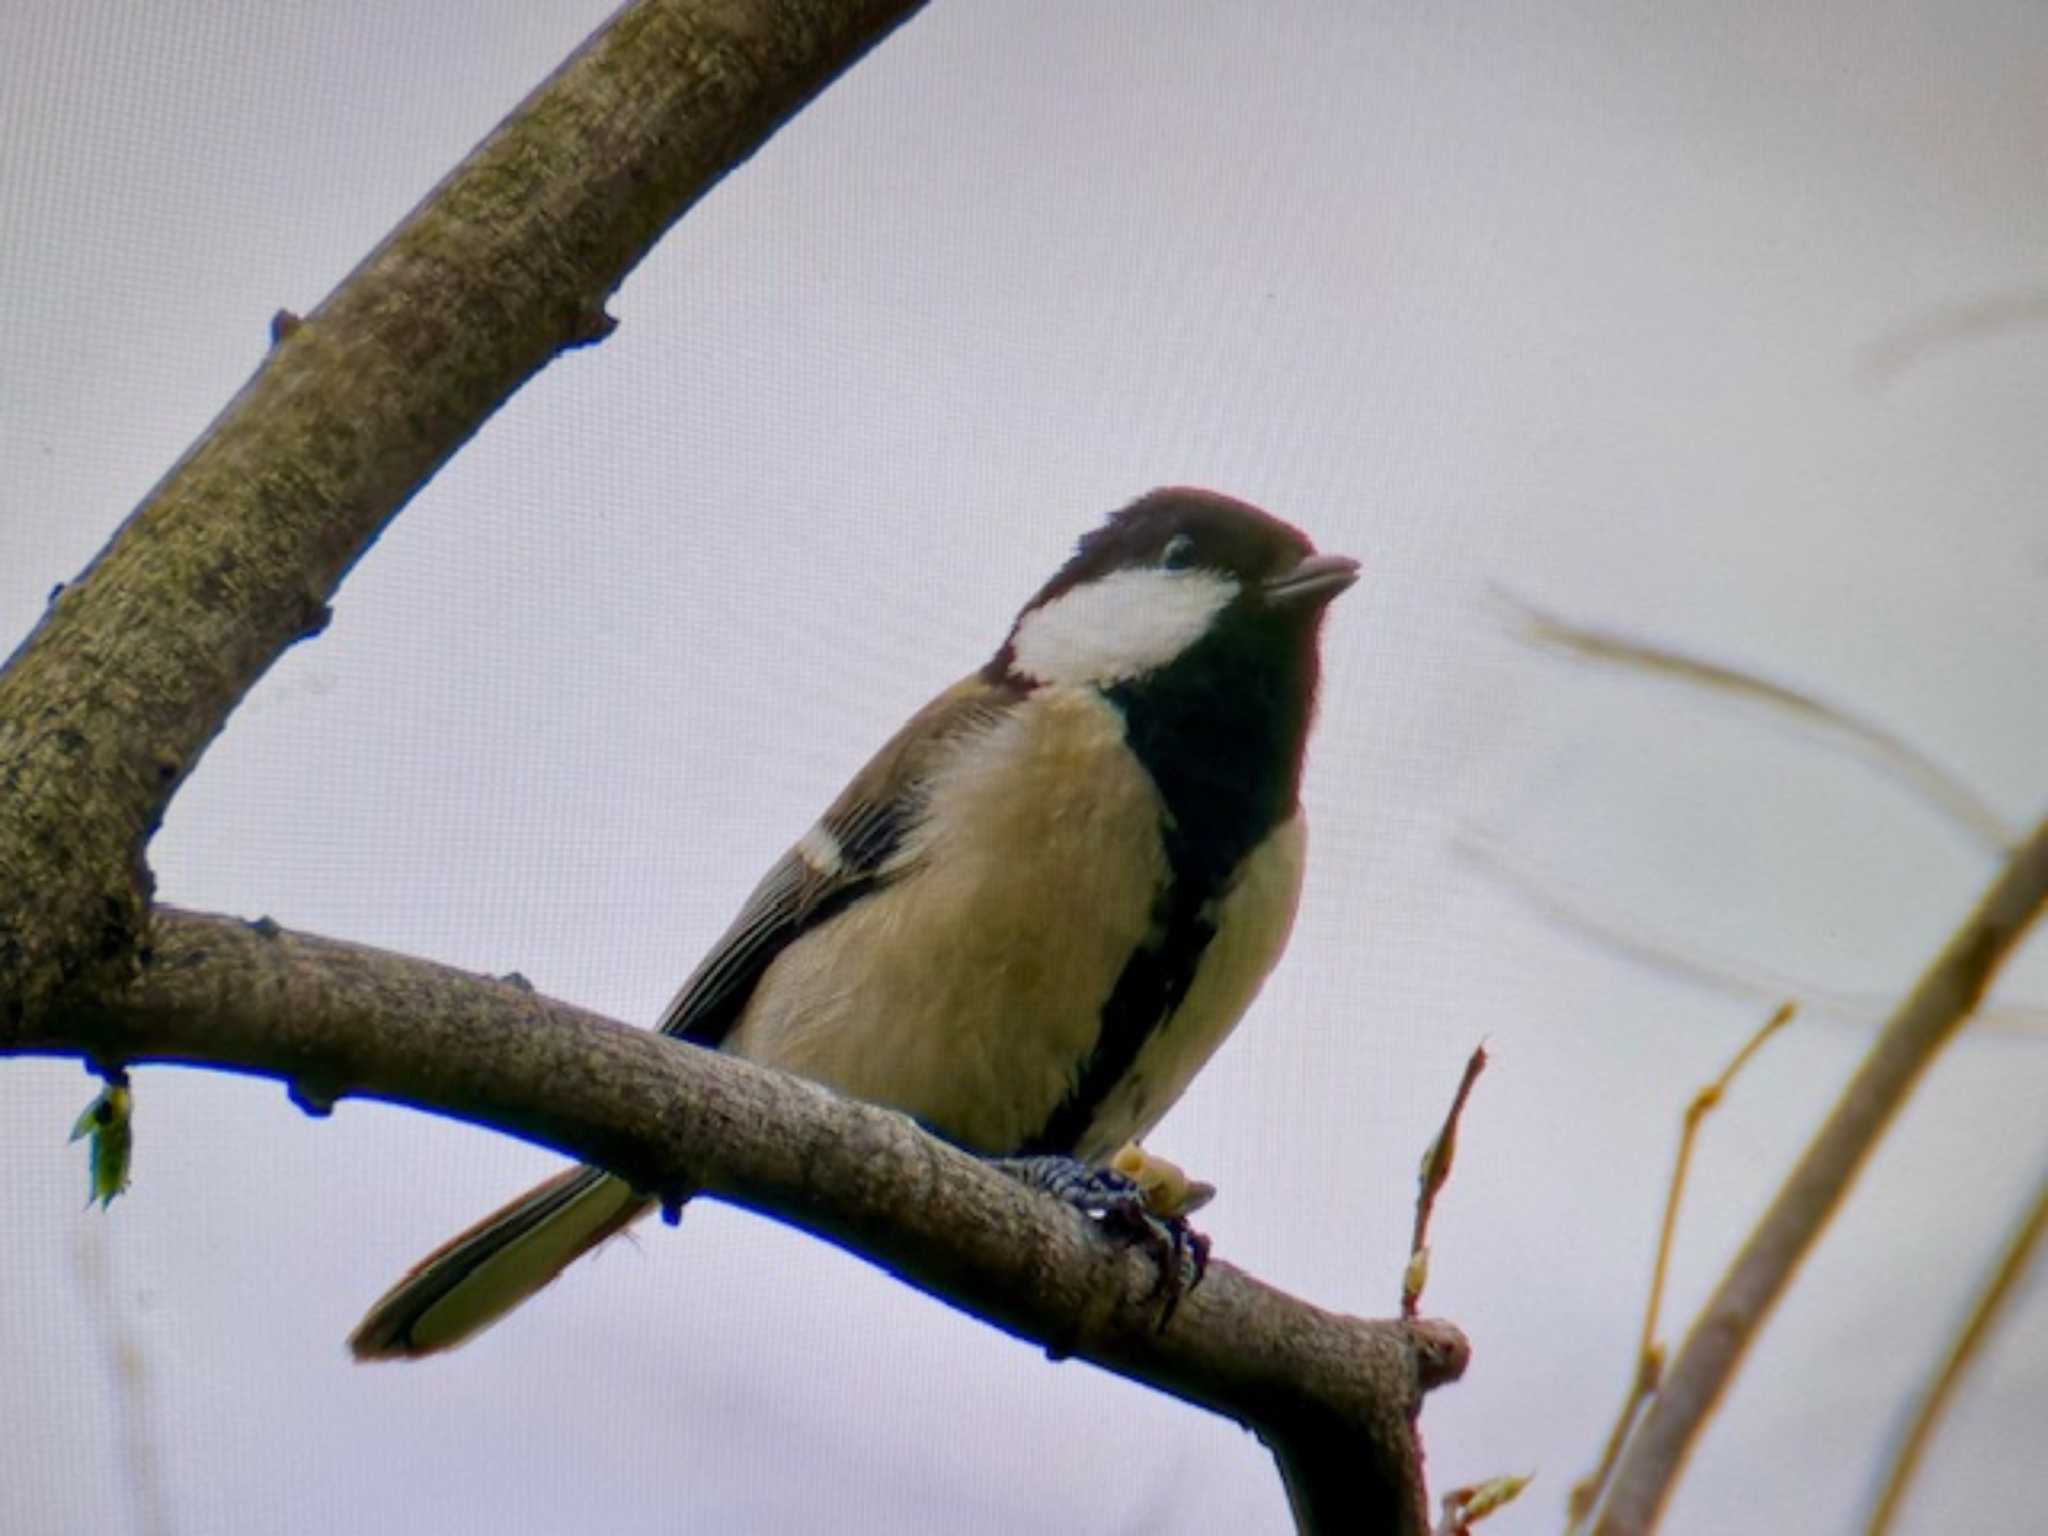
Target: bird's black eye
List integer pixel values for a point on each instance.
(1179, 553)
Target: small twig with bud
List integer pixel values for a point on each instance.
(1164, 1185)
(1585, 1495)
(1465, 1507)
(1435, 1173)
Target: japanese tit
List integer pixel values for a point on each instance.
(1035, 913)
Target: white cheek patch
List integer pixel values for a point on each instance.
(1124, 625)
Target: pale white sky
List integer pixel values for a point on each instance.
(1636, 312)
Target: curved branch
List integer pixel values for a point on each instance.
(232, 556)
(1942, 790)
(1335, 1397)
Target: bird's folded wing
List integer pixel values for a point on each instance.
(852, 851)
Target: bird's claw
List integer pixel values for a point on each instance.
(1118, 1201)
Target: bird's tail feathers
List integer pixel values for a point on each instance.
(479, 1275)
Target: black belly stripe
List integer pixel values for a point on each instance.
(1220, 732)
(1154, 981)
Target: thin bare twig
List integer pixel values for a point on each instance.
(1926, 1021)
(1436, 1172)
(1941, 789)
(1635, 940)
(1998, 1289)
(1585, 1494)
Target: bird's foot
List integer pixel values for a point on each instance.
(1121, 1202)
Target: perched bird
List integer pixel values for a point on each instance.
(1035, 913)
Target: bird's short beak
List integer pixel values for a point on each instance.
(1312, 582)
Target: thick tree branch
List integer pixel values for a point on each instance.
(1335, 1397)
(1926, 1021)
(231, 558)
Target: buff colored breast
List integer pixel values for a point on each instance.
(970, 993)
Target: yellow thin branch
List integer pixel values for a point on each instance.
(1962, 1354)
(1585, 1494)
